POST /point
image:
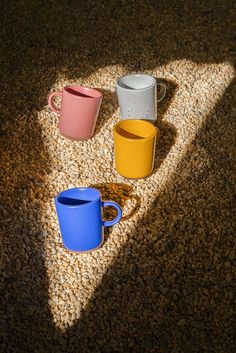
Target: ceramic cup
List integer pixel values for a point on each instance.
(137, 96)
(78, 112)
(134, 145)
(79, 212)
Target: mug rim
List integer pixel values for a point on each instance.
(144, 139)
(78, 188)
(85, 88)
(136, 89)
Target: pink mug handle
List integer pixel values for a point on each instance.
(50, 101)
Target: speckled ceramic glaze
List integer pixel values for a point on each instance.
(137, 96)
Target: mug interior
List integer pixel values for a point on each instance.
(84, 92)
(78, 196)
(135, 129)
(134, 82)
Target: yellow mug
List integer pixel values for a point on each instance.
(134, 144)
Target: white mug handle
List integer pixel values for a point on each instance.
(162, 92)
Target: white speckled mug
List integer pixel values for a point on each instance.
(137, 96)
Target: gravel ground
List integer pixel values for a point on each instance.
(164, 280)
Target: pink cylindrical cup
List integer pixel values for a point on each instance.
(79, 111)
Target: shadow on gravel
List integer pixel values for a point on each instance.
(108, 108)
(168, 133)
(122, 194)
(172, 287)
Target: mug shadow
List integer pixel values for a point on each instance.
(121, 194)
(109, 106)
(164, 104)
(168, 132)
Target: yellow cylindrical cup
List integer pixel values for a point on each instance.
(134, 143)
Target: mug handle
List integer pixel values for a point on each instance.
(50, 101)
(162, 92)
(119, 213)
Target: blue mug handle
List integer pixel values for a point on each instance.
(119, 213)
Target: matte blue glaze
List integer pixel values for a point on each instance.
(79, 212)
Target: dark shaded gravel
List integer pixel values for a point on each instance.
(164, 280)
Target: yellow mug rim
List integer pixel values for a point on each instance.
(156, 131)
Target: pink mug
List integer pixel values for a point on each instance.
(79, 111)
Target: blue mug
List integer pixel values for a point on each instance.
(79, 212)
